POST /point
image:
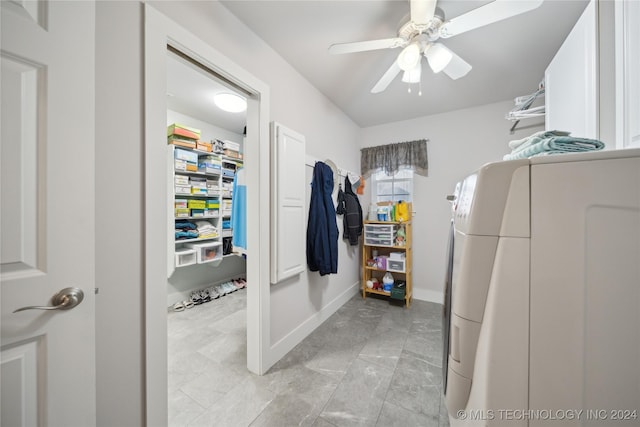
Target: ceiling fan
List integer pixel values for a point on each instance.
(419, 37)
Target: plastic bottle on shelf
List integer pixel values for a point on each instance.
(402, 211)
(387, 282)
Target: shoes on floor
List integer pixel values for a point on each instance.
(221, 290)
(201, 296)
(213, 293)
(204, 295)
(181, 306)
(229, 287)
(195, 297)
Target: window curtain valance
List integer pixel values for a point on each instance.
(393, 157)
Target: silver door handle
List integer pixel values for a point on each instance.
(64, 300)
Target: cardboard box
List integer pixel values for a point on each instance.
(182, 213)
(197, 204)
(180, 141)
(181, 179)
(183, 189)
(180, 165)
(203, 146)
(188, 156)
(182, 130)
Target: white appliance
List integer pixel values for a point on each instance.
(542, 301)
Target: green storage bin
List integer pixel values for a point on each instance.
(398, 291)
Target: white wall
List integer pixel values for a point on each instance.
(297, 305)
(119, 215)
(298, 105)
(301, 107)
(459, 142)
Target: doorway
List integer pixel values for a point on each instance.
(206, 295)
(161, 32)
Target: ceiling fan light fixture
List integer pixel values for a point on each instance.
(438, 57)
(409, 57)
(230, 102)
(413, 75)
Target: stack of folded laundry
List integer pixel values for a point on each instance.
(206, 230)
(185, 230)
(550, 142)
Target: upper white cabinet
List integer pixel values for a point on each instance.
(593, 82)
(627, 18)
(571, 80)
(288, 215)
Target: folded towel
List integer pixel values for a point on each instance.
(539, 146)
(180, 234)
(185, 225)
(532, 139)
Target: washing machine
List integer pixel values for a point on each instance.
(541, 321)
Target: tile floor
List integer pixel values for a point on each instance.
(370, 364)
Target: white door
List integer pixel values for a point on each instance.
(47, 215)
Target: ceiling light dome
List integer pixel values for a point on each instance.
(230, 102)
(413, 75)
(409, 57)
(438, 57)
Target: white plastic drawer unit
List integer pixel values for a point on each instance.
(397, 265)
(207, 252)
(185, 256)
(379, 234)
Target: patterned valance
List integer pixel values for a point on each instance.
(393, 157)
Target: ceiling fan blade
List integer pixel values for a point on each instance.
(340, 48)
(422, 11)
(387, 78)
(487, 14)
(457, 67)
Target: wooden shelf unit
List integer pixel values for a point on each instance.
(370, 243)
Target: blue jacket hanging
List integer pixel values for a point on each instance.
(322, 230)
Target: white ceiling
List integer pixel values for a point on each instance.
(508, 57)
(190, 91)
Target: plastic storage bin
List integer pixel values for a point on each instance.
(398, 265)
(379, 234)
(185, 256)
(207, 252)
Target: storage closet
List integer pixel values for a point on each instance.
(204, 154)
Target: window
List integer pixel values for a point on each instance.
(392, 188)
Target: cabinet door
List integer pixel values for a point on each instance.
(288, 200)
(628, 72)
(571, 80)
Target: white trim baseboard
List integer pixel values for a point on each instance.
(428, 295)
(293, 338)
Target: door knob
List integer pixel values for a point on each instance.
(64, 300)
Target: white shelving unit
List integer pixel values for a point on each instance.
(219, 188)
(206, 248)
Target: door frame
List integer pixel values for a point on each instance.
(161, 31)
